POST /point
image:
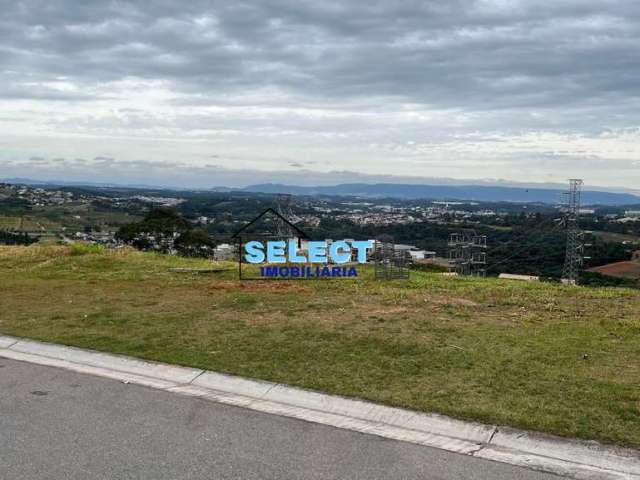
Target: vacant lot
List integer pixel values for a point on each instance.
(560, 359)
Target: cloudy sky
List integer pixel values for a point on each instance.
(199, 93)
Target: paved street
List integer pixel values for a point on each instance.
(56, 424)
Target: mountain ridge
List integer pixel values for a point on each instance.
(405, 191)
(470, 192)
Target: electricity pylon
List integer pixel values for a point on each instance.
(573, 256)
(283, 207)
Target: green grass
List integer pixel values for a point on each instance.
(85, 248)
(559, 359)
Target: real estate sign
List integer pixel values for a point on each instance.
(284, 259)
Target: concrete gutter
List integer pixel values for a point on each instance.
(570, 458)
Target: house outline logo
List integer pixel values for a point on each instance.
(280, 258)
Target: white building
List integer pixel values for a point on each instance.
(422, 254)
(224, 251)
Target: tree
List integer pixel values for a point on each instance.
(159, 229)
(194, 243)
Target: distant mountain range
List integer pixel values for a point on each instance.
(448, 192)
(481, 193)
(72, 183)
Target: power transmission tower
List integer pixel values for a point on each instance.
(573, 256)
(467, 253)
(283, 207)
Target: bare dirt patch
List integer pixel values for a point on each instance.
(619, 269)
(387, 311)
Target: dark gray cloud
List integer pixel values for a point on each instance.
(470, 54)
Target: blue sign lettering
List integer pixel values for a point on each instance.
(279, 251)
(316, 252)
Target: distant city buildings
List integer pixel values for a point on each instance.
(160, 201)
(95, 215)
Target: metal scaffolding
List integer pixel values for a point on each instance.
(389, 263)
(467, 253)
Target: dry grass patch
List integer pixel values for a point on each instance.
(461, 302)
(270, 286)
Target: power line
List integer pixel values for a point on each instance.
(554, 227)
(543, 235)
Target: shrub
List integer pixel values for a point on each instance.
(429, 267)
(85, 248)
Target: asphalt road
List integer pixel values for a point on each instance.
(60, 425)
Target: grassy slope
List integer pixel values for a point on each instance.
(616, 237)
(560, 359)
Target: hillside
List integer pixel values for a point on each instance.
(560, 359)
(448, 192)
(628, 270)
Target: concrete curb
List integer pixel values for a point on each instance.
(571, 458)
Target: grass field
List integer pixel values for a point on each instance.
(71, 217)
(560, 359)
(616, 237)
(29, 223)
